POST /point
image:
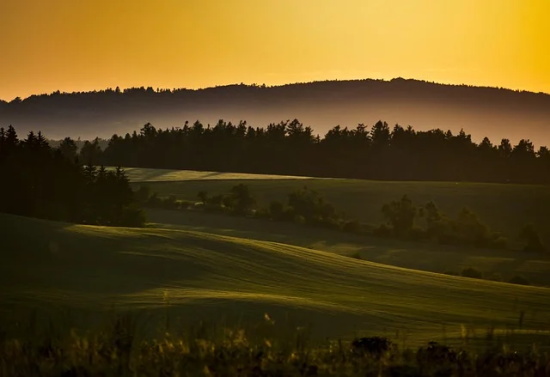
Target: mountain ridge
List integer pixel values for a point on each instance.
(482, 111)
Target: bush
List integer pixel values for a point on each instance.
(400, 214)
(495, 276)
(469, 230)
(277, 210)
(241, 200)
(532, 238)
(310, 205)
(143, 194)
(203, 196)
(471, 272)
(133, 217)
(375, 346)
(517, 279)
(451, 273)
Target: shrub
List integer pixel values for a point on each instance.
(356, 255)
(532, 238)
(133, 217)
(400, 214)
(469, 229)
(277, 210)
(517, 279)
(143, 194)
(310, 205)
(495, 276)
(436, 360)
(451, 273)
(471, 272)
(203, 196)
(375, 346)
(241, 201)
(437, 225)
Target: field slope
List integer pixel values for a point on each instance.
(199, 275)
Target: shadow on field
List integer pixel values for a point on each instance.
(495, 264)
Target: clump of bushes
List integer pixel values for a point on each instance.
(312, 207)
(238, 201)
(303, 206)
(465, 229)
(374, 346)
(517, 279)
(148, 199)
(473, 273)
(306, 206)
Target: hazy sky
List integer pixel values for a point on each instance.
(74, 45)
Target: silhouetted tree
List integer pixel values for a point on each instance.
(68, 149)
(400, 214)
(41, 182)
(90, 153)
(241, 199)
(289, 147)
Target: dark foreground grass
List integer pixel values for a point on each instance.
(261, 350)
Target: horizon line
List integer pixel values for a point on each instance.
(263, 85)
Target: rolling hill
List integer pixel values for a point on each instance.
(492, 112)
(200, 275)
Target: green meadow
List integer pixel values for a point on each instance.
(504, 208)
(195, 293)
(190, 275)
(494, 264)
(170, 175)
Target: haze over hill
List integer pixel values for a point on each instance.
(480, 111)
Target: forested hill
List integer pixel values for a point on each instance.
(492, 112)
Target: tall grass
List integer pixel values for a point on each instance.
(260, 349)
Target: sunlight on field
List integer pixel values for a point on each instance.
(167, 175)
(494, 264)
(204, 275)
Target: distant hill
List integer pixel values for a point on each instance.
(481, 111)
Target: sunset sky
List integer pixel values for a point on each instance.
(82, 45)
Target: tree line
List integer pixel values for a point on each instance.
(290, 148)
(45, 182)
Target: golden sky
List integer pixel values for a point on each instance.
(76, 45)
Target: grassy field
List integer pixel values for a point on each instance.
(196, 275)
(169, 175)
(494, 264)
